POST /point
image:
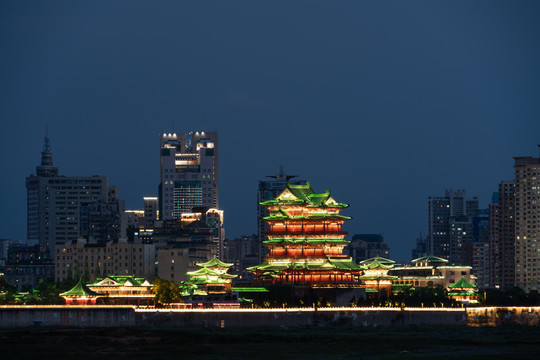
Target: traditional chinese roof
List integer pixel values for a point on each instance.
(381, 260)
(120, 280)
(329, 264)
(282, 215)
(203, 271)
(304, 195)
(430, 259)
(375, 264)
(304, 240)
(79, 290)
(462, 284)
(249, 289)
(215, 262)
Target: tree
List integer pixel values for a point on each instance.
(166, 291)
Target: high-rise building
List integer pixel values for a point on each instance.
(421, 249)
(189, 175)
(502, 237)
(478, 250)
(527, 222)
(269, 190)
(367, 246)
(54, 202)
(150, 212)
(450, 224)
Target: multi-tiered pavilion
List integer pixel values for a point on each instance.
(306, 240)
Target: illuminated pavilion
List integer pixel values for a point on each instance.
(376, 278)
(306, 241)
(124, 290)
(463, 291)
(80, 295)
(210, 286)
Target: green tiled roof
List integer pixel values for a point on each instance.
(203, 271)
(468, 293)
(430, 259)
(282, 215)
(215, 262)
(379, 259)
(462, 284)
(120, 280)
(378, 277)
(329, 264)
(79, 290)
(306, 240)
(305, 195)
(376, 265)
(249, 289)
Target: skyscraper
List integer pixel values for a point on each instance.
(502, 237)
(54, 202)
(189, 175)
(450, 224)
(527, 220)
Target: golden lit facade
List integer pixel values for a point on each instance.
(306, 240)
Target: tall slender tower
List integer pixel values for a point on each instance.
(527, 209)
(189, 175)
(450, 224)
(502, 237)
(54, 202)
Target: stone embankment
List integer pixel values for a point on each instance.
(126, 316)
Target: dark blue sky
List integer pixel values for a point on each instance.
(384, 103)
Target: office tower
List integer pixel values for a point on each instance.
(502, 237)
(119, 257)
(189, 175)
(478, 250)
(243, 253)
(54, 202)
(421, 249)
(269, 190)
(150, 212)
(527, 220)
(367, 246)
(450, 224)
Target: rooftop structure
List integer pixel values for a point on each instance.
(527, 222)
(189, 174)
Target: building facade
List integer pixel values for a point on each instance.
(243, 252)
(527, 222)
(79, 258)
(367, 246)
(450, 224)
(189, 173)
(502, 237)
(54, 202)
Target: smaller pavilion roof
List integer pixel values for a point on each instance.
(79, 290)
(430, 259)
(215, 262)
(380, 259)
(462, 284)
(377, 265)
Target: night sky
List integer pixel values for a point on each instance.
(383, 103)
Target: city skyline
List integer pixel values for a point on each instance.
(385, 106)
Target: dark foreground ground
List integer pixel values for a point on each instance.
(308, 343)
